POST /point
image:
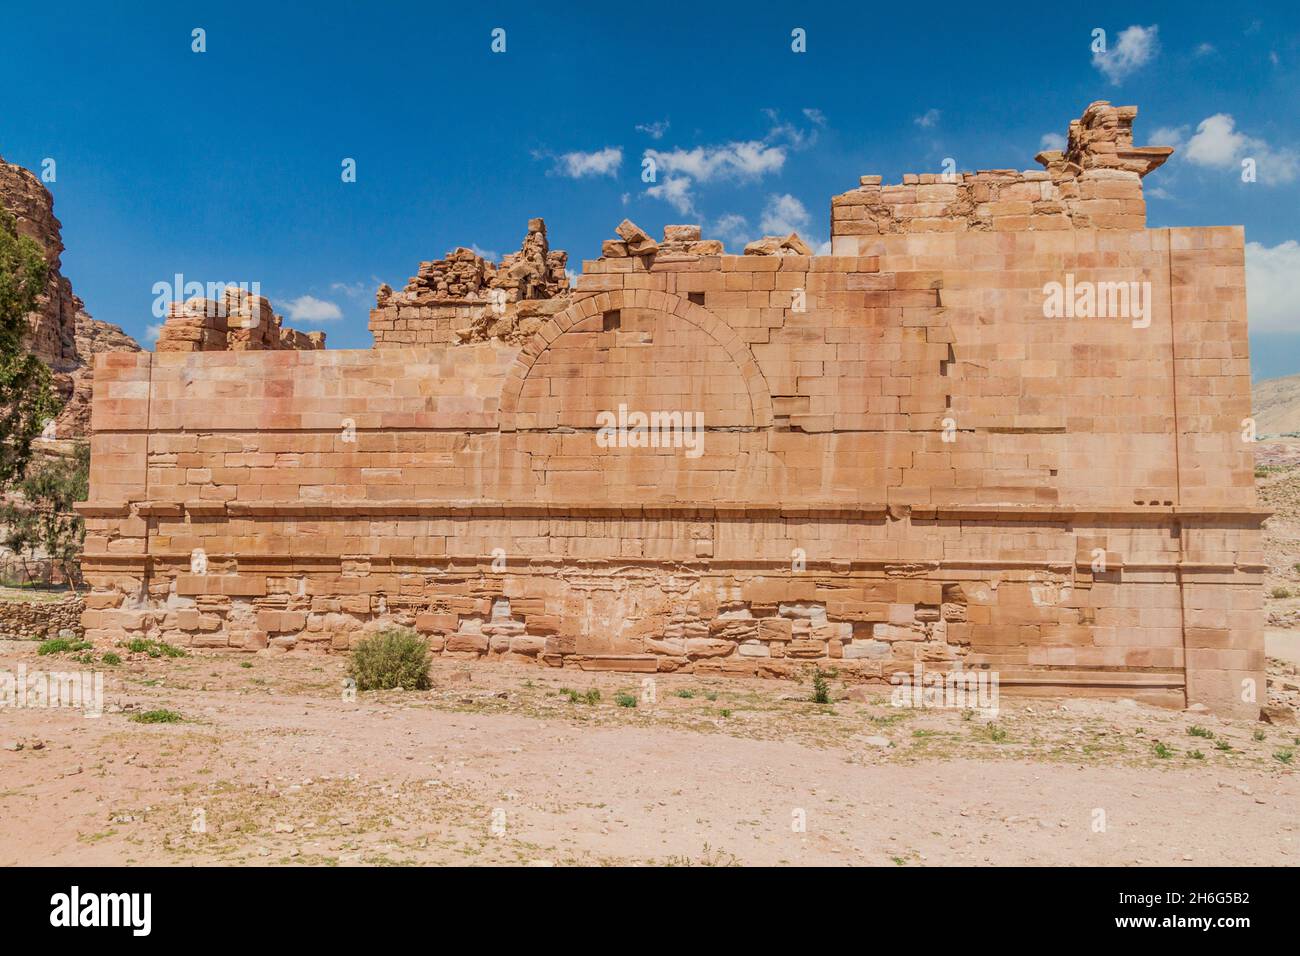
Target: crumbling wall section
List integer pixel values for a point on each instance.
(1095, 183)
(464, 297)
(237, 322)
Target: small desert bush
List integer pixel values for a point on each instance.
(140, 645)
(821, 688)
(156, 717)
(1281, 593)
(1198, 731)
(392, 658)
(579, 697)
(60, 645)
(625, 700)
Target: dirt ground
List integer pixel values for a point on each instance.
(270, 763)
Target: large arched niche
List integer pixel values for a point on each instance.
(647, 350)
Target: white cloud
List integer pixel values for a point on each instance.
(600, 162)
(799, 139)
(739, 160)
(1206, 49)
(1218, 144)
(353, 290)
(1272, 275)
(1134, 49)
(676, 191)
(152, 332)
(1050, 141)
(680, 171)
(1175, 136)
(488, 254)
(732, 228)
(783, 215)
(928, 119)
(308, 308)
(654, 130)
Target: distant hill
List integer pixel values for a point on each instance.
(1276, 405)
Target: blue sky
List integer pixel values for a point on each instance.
(226, 165)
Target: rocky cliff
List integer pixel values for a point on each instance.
(63, 334)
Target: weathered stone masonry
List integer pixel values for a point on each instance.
(904, 459)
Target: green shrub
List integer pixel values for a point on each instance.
(155, 649)
(685, 694)
(821, 689)
(1222, 745)
(1281, 593)
(578, 697)
(1258, 735)
(625, 700)
(1198, 731)
(112, 659)
(60, 645)
(392, 658)
(1163, 752)
(156, 717)
(1284, 755)
(1196, 755)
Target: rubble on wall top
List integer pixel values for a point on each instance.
(1102, 138)
(534, 272)
(1094, 183)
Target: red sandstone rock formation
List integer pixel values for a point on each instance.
(63, 335)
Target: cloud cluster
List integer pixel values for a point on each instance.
(308, 308)
(579, 165)
(654, 130)
(928, 119)
(1271, 278)
(1134, 49)
(1218, 144)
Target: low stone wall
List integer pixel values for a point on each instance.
(40, 620)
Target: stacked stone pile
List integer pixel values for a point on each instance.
(237, 322)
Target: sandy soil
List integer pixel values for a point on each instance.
(496, 765)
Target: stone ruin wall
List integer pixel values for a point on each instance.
(914, 466)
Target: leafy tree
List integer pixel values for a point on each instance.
(26, 398)
(42, 521)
